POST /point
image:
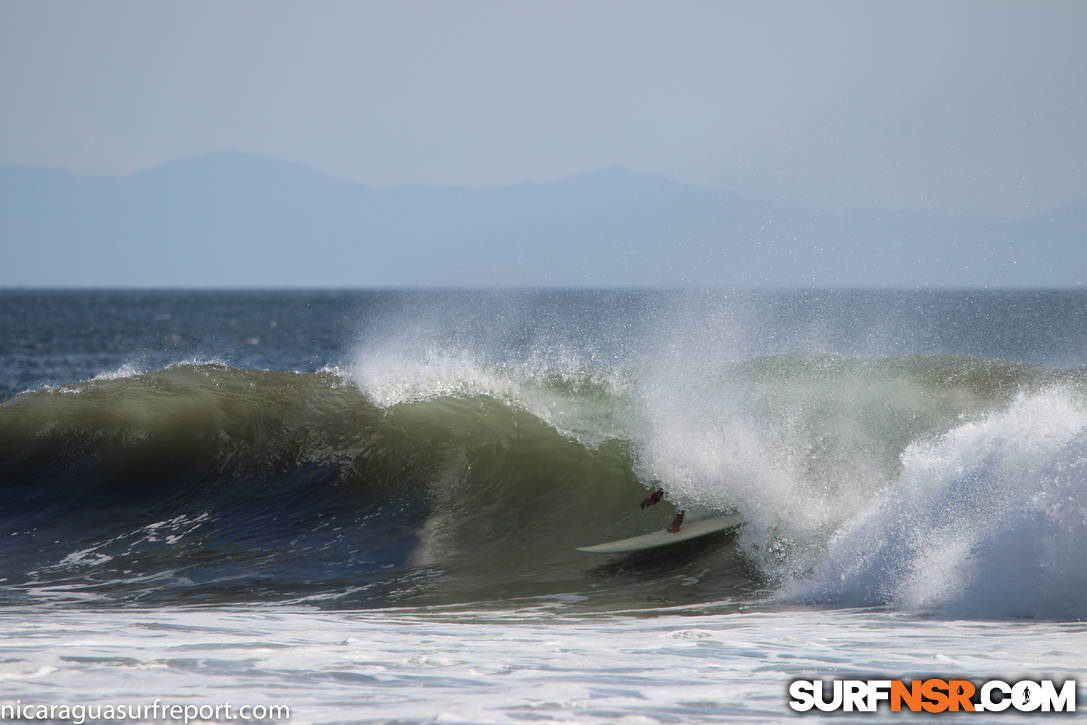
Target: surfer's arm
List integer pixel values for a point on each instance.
(655, 498)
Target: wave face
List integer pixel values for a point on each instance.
(920, 453)
(202, 482)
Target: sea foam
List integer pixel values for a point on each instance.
(988, 519)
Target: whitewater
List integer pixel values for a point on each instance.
(366, 505)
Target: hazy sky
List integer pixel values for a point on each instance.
(977, 106)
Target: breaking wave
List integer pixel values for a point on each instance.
(939, 483)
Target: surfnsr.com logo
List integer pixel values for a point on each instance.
(933, 695)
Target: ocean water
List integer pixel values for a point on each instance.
(365, 505)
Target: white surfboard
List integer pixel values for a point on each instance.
(688, 531)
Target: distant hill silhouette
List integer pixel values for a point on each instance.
(230, 219)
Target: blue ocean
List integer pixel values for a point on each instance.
(366, 504)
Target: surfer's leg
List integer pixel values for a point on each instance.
(676, 523)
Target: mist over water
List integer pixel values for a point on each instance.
(923, 451)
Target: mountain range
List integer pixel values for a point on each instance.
(237, 220)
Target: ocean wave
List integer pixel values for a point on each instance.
(445, 478)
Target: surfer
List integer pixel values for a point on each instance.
(654, 499)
